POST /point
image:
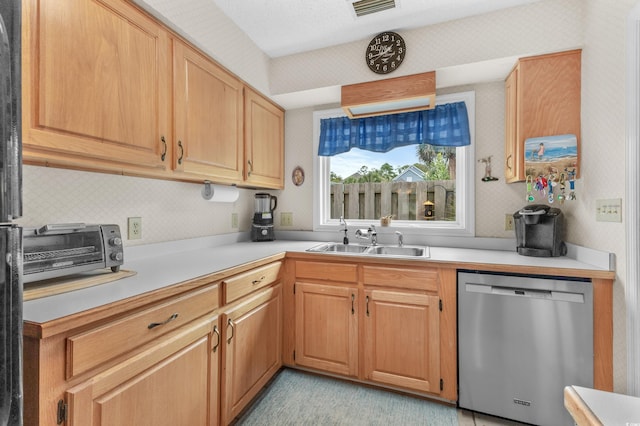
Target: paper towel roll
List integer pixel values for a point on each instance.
(220, 193)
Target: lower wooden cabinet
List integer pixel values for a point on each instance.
(402, 339)
(391, 325)
(251, 347)
(174, 382)
(326, 327)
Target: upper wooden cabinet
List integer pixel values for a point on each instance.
(96, 86)
(264, 141)
(208, 117)
(542, 98)
(102, 80)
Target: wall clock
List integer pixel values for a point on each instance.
(385, 52)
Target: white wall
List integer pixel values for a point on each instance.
(603, 149)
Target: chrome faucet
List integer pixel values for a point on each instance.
(400, 238)
(365, 234)
(374, 235)
(345, 240)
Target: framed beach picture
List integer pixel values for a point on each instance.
(551, 154)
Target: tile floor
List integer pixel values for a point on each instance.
(469, 418)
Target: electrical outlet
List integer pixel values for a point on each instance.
(286, 219)
(134, 226)
(508, 222)
(234, 220)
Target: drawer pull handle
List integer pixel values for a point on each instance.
(230, 324)
(217, 333)
(254, 282)
(168, 320)
(367, 299)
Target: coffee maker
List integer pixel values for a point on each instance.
(539, 231)
(262, 226)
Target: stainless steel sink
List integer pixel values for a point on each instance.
(338, 248)
(377, 250)
(398, 251)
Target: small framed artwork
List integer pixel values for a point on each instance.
(551, 154)
(297, 176)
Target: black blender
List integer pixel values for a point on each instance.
(262, 226)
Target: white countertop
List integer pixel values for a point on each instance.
(611, 409)
(162, 265)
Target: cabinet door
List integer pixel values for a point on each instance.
(510, 127)
(252, 349)
(208, 118)
(326, 318)
(96, 86)
(172, 383)
(546, 103)
(402, 339)
(264, 141)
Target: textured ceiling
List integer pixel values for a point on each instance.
(285, 27)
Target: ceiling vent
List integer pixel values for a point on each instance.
(366, 7)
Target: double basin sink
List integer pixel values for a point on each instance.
(377, 250)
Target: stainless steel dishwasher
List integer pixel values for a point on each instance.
(521, 340)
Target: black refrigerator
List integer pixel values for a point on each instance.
(10, 209)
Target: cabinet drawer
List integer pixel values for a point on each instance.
(240, 285)
(343, 272)
(90, 349)
(414, 279)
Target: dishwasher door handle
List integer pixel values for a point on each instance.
(558, 296)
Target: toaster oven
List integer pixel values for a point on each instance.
(63, 249)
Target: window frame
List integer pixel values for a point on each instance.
(464, 226)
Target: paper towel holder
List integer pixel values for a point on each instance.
(207, 190)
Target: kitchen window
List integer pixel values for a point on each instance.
(403, 198)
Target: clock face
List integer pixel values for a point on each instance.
(385, 52)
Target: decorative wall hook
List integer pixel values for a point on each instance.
(487, 169)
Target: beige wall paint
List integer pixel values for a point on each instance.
(545, 26)
(169, 210)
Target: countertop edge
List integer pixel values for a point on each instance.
(157, 276)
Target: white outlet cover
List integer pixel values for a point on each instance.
(609, 210)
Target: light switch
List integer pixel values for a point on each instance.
(609, 210)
